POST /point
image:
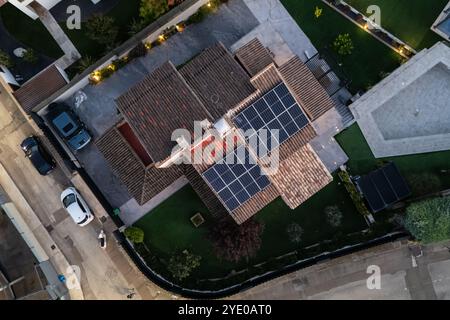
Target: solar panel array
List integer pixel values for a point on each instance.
(277, 109)
(237, 178)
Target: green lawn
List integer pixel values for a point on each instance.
(370, 58)
(409, 20)
(31, 33)
(168, 228)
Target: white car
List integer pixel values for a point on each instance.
(76, 207)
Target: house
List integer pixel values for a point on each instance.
(230, 94)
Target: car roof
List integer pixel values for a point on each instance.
(62, 121)
(76, 213)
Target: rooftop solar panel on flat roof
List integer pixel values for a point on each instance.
(237, 178)
(275, 111)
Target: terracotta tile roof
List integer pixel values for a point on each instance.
(296, 142)
(308, 91)
(157, 106)
(255, 204)
(267, 79)
(263, 82)
(205, 193)
(300, 176)
(40, 87)
(143, 183)
(218, 80)
(254, 57)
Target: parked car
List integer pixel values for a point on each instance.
(38, 155)
(76, 207)
(69, 126)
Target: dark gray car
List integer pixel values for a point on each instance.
(69, 126)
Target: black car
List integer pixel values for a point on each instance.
(38, 156)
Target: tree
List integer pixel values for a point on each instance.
(102, 29)
(318, 12)
(30, 56)
(151, 9)
(233, 242)
(334, 215)
(134, 234)
(182, 263)
(343, 44)
(5, 59)
(429, 220)
(295, 232)
(135, 26)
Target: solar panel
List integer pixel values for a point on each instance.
(276, 110)
(236, 182)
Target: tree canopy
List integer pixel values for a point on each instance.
(102, 29)
(182, 263)
(429, 220)
(134, 234)
(151, 9)
(233, 242)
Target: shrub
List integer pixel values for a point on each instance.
(30, 56)
(5, 59)
(102, 29)
(334, 216)
(424, 183)
(135, 27)
(84, 63)
(182, 263)
(134, 234)
(150, 10)
(343, 44)
(295, 232)
(429, 221)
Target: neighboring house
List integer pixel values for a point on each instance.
(227, 93)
